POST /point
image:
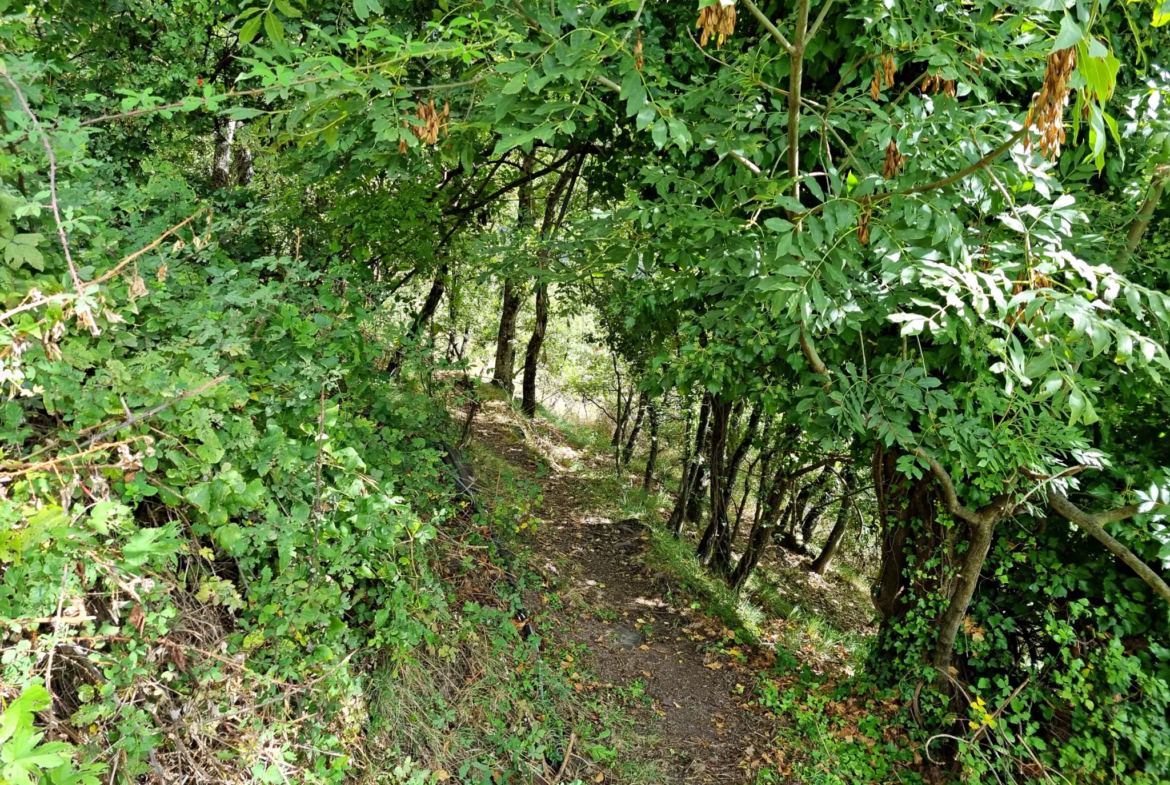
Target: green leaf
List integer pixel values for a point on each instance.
(645, 117)
(273, 28)
(658, 133)
(1070, 34)
(679, 134)
(362, 9)
(286, 8)
(249, 30)
(792, 271)
(150, 543)
(1161, 14)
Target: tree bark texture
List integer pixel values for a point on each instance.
(652, 457)
(504, 371)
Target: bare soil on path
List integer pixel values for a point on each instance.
(693, 679)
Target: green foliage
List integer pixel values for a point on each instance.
(25, 759)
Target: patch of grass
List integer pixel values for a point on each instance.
(580, 437)
(676, 558)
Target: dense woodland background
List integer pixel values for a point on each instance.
(878, 285)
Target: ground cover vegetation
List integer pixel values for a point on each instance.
(329, 327)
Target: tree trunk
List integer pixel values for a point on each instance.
(762, 529)
(690, 470)
(717, 517)
(532, 355)
(979, 543)
(808, 526)
(821, 564)
(221, 162)
(243, 166)
(636, 429)
(652, 458)
(554, 213)
(721, 549)
(504, 372)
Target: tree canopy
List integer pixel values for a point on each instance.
(915, 254)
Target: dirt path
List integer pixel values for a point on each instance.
(694, 717)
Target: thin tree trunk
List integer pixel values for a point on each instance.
(532, 355)
(632, 439)
(1141, 221)
(221, 162)
(821, 564)
(978, 546)
(720, 418)
(548, 228)
(747, 487)
(762, 529)
(504, 372)
(691, 470)
(243, 166)
(652, 458)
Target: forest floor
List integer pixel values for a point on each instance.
(685, 678)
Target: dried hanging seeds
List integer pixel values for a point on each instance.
(935, 83)
(863, 225)
(1047, 112)
(883, 74)
(638, 61)
(433, 122)
(717, 20)
(893, 162)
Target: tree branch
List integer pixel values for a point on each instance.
(771, 28)
(954, 506)
(814, 359)
(517, 183)
(933, 186)
(795, 81)
(1141, 221)
(73, 274)
(812, 31)
(1094, 525)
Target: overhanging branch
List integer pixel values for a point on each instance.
(954, 506)
(1094, 524)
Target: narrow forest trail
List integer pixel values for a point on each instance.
(693, 721)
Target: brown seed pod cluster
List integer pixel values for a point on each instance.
(863, 225)
(883, 73)
(893, 162)
(717, 20)
(935, 83)
(1047, 112)
(433, 122)
(638, 61)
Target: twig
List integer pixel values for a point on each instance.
(941, 183)
(56, 636)
(1002, 708)
(151, 412)
(36, 302)
(126, 260)
(565, 760)
(25, 468)
(52, 183)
